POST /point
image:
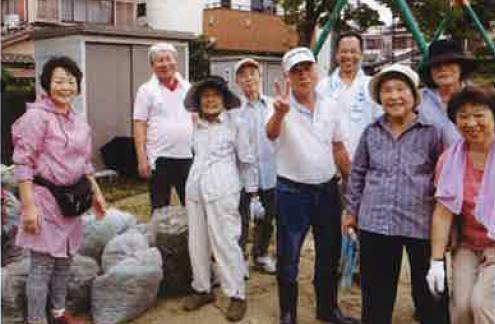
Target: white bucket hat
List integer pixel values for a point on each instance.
(296, 56)
(396, 68)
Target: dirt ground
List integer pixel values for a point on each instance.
(261, 293)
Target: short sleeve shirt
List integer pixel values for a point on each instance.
(169, 124)
(304, 147)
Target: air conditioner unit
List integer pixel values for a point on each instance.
(11, 21)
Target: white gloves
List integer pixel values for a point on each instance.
(256, 209)
(436, 278)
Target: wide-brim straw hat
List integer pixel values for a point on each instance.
(230, 100)
(396, 68)
(446, 51)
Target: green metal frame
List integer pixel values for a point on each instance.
(412, 25)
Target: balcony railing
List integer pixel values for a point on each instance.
(271, 9)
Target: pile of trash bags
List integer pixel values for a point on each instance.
(118, 272)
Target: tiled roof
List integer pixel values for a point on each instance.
(108, 30)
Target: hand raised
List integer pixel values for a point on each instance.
(281, 104)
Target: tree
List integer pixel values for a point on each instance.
(199, 58)
(429, 13)
(305, 15)
(363, 15)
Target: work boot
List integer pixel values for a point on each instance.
(287, 296)
(265, 264)
(198, 300)
(335, 316)
(327, 309)
(66, 318)
(237, 309)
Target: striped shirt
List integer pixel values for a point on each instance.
(391, 186)
(431, 110)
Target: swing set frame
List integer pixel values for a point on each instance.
(412, 26)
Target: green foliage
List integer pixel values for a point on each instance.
(363, 15)
(199, 58)
(429, 13)
(6, 79)
(9, 83)
(306, 14)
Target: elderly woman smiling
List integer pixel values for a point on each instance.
(444, 74)
(52, 148)
(465, 196)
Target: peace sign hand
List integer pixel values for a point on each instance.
(281, 104)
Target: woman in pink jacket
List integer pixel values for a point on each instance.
(52, 143)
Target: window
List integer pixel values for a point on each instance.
(262, 5)
(124, 13)
(100, 11)
(257, 5)
(47, 9)
(373, 43)
(96, 11)
(13, 7)
(401, 42)
(141, 9)
(225, 3)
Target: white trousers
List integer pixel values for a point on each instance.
(215, 228)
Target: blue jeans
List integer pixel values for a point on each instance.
(299, 207)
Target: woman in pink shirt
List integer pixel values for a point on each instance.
(53, 142)
(465, 197)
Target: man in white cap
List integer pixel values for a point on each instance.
(163, 127)
(310, 151)
(254, 112)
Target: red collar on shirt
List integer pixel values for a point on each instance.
(171, 85)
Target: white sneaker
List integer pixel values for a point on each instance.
(265, 264)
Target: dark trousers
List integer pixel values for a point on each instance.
(381, 259)
(168, 172)
(299, 208)
(263, 228)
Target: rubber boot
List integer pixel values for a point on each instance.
(287, 296)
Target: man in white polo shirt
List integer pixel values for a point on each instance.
(310, 152)
(163, 127)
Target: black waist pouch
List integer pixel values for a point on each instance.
(74, 199)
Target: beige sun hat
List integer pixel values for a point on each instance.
(396, 68)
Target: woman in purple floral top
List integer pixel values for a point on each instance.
(51, 141)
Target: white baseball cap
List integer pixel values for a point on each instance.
(245, 61)
(160, 47)
(398, 68)
(296, 56)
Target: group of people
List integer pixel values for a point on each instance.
(377, 156)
